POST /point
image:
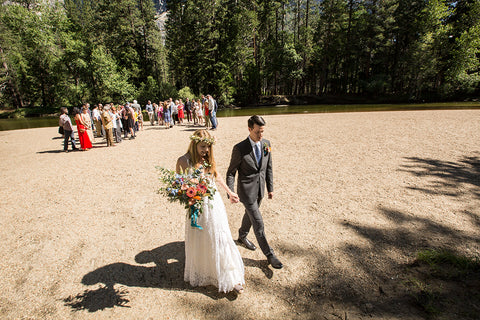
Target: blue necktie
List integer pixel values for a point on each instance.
(258, 155)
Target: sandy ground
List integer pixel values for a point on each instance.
(86, 236)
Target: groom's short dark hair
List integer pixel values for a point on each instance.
(256, 120)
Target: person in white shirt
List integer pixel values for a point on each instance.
(173, 110)
(212, 108)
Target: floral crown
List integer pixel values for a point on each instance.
(197, 139)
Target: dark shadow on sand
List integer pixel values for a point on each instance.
(167, 274)
(52, 151)
(448, 175)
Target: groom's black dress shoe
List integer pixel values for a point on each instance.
(273, 260)
(249, 245)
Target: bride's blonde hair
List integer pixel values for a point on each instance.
(197, 137)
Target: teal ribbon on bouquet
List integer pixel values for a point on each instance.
(194, 217)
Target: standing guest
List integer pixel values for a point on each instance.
(140, 119)
(136, 106)
(127, 107)
(100, 109)
(206, 114)
(108, 125)
(122, 113)
(194, 112)
(136, 119)
(199, 112)
(150, 110)
(181, 114)
(89, 111)
(117, 125)
(212, 107)
(159, 112)
(130, 121)
(173, 111)
(188, 110)
(66, 123)
(155, 111)
(85, 143)
(167, 115)
(98, 121)
(88, 122)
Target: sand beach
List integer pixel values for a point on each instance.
(86, 236)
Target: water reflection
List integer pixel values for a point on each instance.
(286, 109)
(26, 123)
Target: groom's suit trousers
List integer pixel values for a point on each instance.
(253, 218)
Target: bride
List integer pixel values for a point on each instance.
(211, 256)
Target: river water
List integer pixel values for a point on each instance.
(25, 123)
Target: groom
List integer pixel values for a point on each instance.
(252, 159)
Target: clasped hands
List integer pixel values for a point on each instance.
(235, 199)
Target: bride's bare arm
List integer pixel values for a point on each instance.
(232, 195)
(182, 164)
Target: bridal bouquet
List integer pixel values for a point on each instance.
(189, 189)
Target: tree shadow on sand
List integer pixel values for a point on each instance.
(372, 278)
(448, 176)
(167, 274)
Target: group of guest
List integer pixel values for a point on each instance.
(103, 121)
(169, 113)
(108, 121)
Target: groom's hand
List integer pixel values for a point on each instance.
(270, 195)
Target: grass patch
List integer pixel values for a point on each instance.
(446, 264)
(445, 285)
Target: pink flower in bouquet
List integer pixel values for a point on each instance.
(202, 189)
(191, 192)
(194, 181)
(184, 187)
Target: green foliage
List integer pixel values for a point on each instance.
(185, 93)
(237, 50)
(76, 51)
(149, 90)
(110, 84)
(166, 91)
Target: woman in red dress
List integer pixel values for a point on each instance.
(85, 142)
(181, 114)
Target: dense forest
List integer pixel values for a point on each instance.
(72, 51)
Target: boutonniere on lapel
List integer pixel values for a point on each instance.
(266, 149)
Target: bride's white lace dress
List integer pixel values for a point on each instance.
(211, 256)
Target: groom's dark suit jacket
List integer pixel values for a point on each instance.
(251, 177)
